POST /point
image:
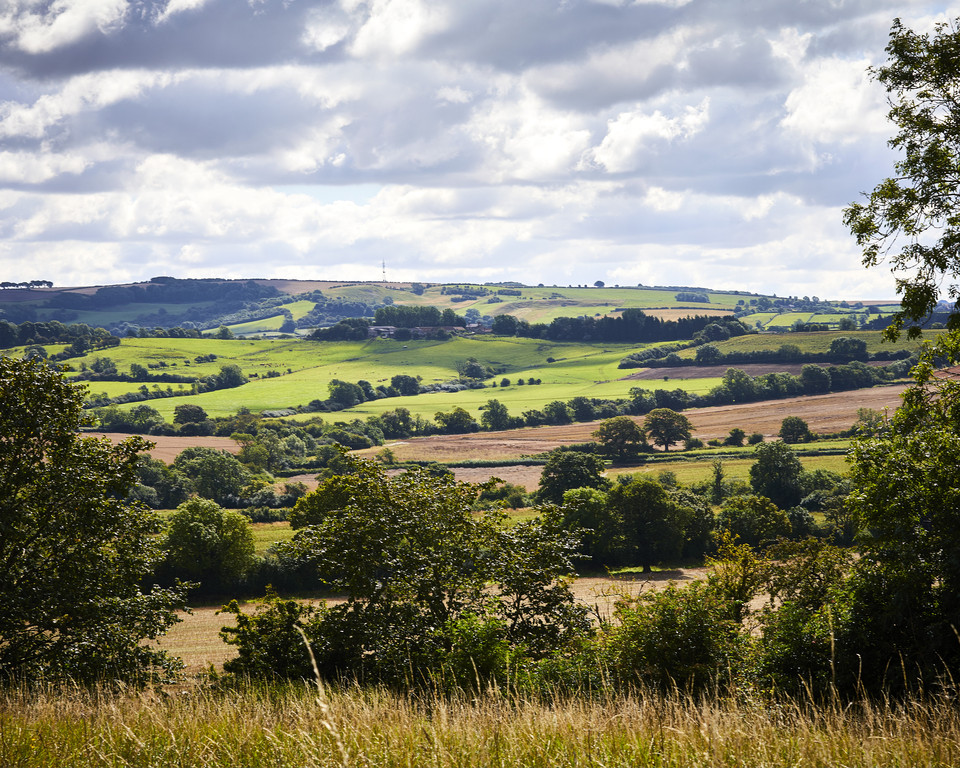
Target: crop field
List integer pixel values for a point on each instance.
(787, 319)
(700, 470)
(265, 535)
(824, 413)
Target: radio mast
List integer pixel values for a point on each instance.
(383, 264)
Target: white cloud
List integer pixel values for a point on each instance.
(632, 134)
(627, 140)
(396, 27)
(523, 137)
(174, 7)
(84, 93)
(30, 168)
(837, 103)
(60, 23)
(325, 27)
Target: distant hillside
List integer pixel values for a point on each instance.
(296, 307)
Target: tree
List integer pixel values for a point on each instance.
(776, 474)
(736, 437)
(620, 438)
(73, 551)
(793, 429)
(345, 393)
(495, 415)
(708, 354)
(209, 544)
(847, 348)
(558, 412)
(188, 413)
(405, 385)
(599, 284)
(456, 422)
(416, 564)
(753, 520)
(666, 427)
(815, 379)
(900, 213)
(566, 470)
(906, 497)
(650, 525)
(739, 385)
(216, 474)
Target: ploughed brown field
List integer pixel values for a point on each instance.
(167, 447)
(823, 413)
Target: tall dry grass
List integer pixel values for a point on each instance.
(297, 725)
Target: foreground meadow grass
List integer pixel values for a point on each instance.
(293, 725)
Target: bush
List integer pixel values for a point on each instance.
(207, 543)
(680, 636)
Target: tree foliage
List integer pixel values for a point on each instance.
(417, 566)
(776, 474)
(209, 544)
(911, 218)
(73, 552)
(566, 470)
(666, 427)
(621, 439)
(650, 525)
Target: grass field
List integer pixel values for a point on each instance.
(306, 368)
(812, 342)
(579, 369)
(265, 535)
(300, 725)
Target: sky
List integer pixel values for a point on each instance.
(707, 143)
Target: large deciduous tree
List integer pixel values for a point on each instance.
(566, 470)
(621, 439)
(776, 474)
(666, 427)
(911, 219)
(73, 552)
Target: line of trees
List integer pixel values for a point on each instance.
(633, 325)
(7, 285)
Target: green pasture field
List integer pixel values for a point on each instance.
(265, 325)
(299, 308)
(265, 535)
(690, 471)
(307, 367)
(787, 319)
(759, 317)
(518, 399)
(579, 369)
(116, 388)
(818, 341)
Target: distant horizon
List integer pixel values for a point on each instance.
(733, 291)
